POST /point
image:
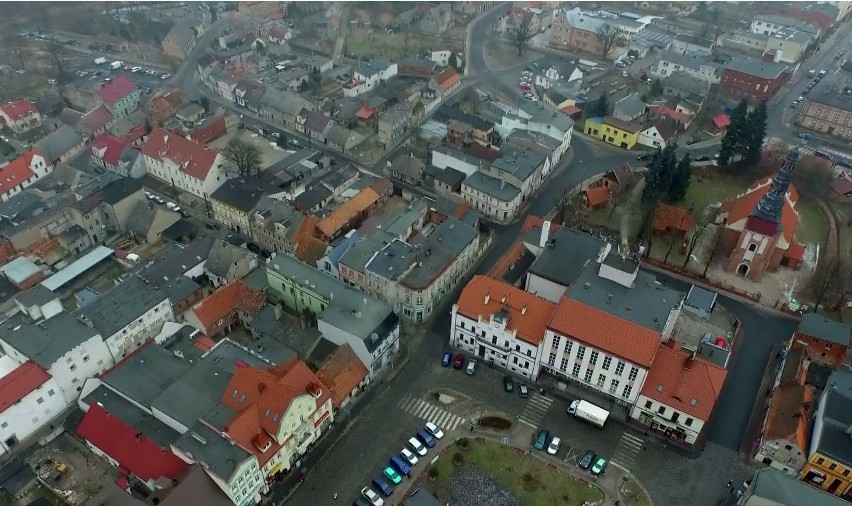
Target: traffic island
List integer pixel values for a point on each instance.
(479, 471)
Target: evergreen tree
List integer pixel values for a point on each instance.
(735, 134)
(600, 107)
(755, 134)
(655, 179)
(681, 179)
(656, 88)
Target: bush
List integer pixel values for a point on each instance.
(433, 473)
(464, 443)
(495, 422)
(458, 458)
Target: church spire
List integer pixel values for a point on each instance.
(772, 203)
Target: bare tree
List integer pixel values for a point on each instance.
(828, 280)
(672, 242)
(698, 229)
(246, 157)
(17, 48)
(813, 177)
(608, 36)
(714, 250)
(56, 53)
(522, 35)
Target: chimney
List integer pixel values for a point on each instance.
(524, 309)
(609, 298)
(487, 298)
(545, 232)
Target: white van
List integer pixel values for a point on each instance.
(171, 205)
(471, 367)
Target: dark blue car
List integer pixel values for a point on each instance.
(401, 465)
(427, 438)
(448, 357)
(382, 486)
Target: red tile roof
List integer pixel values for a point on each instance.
(97, 119)
(597, 195)
(235, 296)
(447, 78)
(310, 249)
(483, 152)
(536, 222)
(721, 120)
(364, 112)
(127, 446)
(605, 331)
(342, 373)
(18, 109)
(528, 314)
(210, 132)
(664, 110)
(796, 251)
(115, 90)
(109, 148)
(676, 380)
(790, 414)
(672, 218)
(347, 212)
(17, 171)
(135, 134)
(195, 159)
(262, 397)
(21, 382)
(742, 207)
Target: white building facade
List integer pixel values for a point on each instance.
(24, 415)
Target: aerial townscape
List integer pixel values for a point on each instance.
(426, 253)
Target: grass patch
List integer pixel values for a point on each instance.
(532, 481)
(843, 215)
(812, 227)
(634, 495)
(705, 190)
(394, 46)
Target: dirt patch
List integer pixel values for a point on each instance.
(495, 422)
(83, 475)
(529, 482)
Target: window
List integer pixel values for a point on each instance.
(633, 372)
(556, 341)
(845, 472)
(51, 393)
(86, 358)
(581, 352)
(832, 467)
(576, 371)
(73, 367)
(593, 358)
(619, 369)
(588, 377)
(607, 362)
(688, 422)
(820, 461)
(626, 392)
(568, 346)
(551, 360)
(3, 425)
(613, 386)
(564, 365)
(601, 380)
(40, 400)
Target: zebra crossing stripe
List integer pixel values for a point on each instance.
(436, 414)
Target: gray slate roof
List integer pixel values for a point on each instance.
(816, 325)
(119, 306)
(682, 81)
(757, 67)
(630, 106)
(492, 186)
(562, 263)
(59, 142)
(776, 486)
(522, 163)
(212, 449)
(36, 296)
(47, 341)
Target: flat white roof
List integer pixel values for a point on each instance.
(79, 266)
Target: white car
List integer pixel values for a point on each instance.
(529, 96)
(171, 205)
(165, 76)
(417, 446)
(554, 445)
(409, 456)
(524, 83)
(372, 496)
(159, 200)
(433, 429)
(149, 195)
(135, 69)
(800, 99)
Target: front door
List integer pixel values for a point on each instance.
(482, 351)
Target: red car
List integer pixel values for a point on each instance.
(458, 362)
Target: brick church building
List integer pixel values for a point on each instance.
(759, 224)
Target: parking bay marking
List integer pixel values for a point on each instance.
(435, 414)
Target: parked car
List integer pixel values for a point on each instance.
(382, 486)
(417, 446)
(693, 139)
(644, 157)
(401, 465)
(372, 496)
(427, 439)
(541, 439)
(391, 474)
(458, 361)
(360, 501)
(599, 466)
(409, 456)
(434, 430)
(523, 391)
(471, 367)
(508, 384)
(446, 359)
(165, 76)
(553, 447)
(135, 69)
(586, 459)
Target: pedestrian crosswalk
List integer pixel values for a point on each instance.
(535, 410)
(431, 413)
(628, 447)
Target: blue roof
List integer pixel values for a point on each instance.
(337, 251)
(79, 266)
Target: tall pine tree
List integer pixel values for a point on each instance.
(653, 178)
(681, 179)
(735, 134)
(755, 134)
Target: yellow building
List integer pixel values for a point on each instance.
(829, 464)
(613, 131)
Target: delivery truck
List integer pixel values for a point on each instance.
(588, 412)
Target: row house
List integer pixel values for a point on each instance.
(493, 197)
(367, 75)
(120, 96)
(553, 124)
(188, 165)
(753, 79)
(286, 108)
(30, 399)
(692, 65)
(19, 116)
(770, 24)
(827, 112)
(115, 154)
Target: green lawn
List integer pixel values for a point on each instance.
(532, 481)
(705, 190)
(843, 213)
(812, 227)
(634, 496)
